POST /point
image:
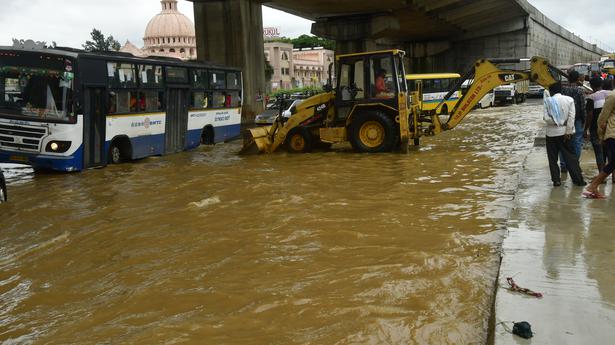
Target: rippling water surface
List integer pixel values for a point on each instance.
(210, 247)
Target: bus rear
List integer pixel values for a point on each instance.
(435, 86)
(39, 124)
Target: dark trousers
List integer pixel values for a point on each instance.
(597, 145)
(557, 146)
(609, 146)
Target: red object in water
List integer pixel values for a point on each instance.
(517, 288)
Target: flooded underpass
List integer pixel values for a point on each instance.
(211, 247)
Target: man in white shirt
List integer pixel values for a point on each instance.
(559, 114)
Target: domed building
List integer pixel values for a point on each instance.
(169, 33)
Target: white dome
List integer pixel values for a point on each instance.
(169, 23)
(170, 33)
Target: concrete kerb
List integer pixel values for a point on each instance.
(539, 141)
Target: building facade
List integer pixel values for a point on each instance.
(312, 66)
(169, 33)
(297, 67)
(280, 57)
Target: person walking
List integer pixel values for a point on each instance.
(559, 114)
(578, 95)
(595, 102)
(606, 133)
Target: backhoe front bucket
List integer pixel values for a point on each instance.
(256, 140)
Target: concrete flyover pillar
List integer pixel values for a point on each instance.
(230, 32)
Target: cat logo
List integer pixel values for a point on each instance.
(509, 77)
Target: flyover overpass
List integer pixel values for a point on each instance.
(438, 35)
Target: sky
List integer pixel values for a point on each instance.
(69, 22)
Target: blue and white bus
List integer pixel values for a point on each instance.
(69, 110)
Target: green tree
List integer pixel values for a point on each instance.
(309, 41)
(100, 43)
(268, 71)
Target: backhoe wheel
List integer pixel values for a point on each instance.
(373, 132)
(299, 140)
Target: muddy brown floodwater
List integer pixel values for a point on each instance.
(210, 247)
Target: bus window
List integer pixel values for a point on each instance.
(199, 79)
(232, 81)
(177, 75)
(121, 75)
(134, 102)
(119, 102)
(112, 103)
(217, 80)
(37, 92)
(218, 100)
(150, 101)
(201, 100)
(150, 76)
(234, 99)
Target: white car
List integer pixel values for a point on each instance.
(286, 113)
(487, 101)
(266, 118)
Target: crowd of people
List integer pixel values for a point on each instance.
(574, 114)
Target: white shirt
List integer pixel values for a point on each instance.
(566, 107)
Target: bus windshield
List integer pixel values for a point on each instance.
(37, 91)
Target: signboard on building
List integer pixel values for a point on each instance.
(271, 32)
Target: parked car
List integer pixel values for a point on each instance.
(487, 101)
(535, 90)
(3, 194)
(273, 109)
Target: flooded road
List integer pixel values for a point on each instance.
(210, 247)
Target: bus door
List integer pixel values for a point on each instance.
(94, 128)
(176, 120)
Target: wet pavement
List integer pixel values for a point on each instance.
(563, 246)
(323, 248)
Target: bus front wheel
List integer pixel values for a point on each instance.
(208, 136)
(115, 154)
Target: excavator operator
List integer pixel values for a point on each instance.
(380, 86)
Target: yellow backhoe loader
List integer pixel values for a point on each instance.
(372, 108)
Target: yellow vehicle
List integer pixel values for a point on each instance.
(435, 86)
(372, 109)
(608, 66)
(369, 108)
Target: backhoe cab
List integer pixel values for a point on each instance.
(368, 107)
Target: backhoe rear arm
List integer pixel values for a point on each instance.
(487, 76)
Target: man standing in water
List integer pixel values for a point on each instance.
(559, 114)
(595, 102)
(606, 132)
(578, 95)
